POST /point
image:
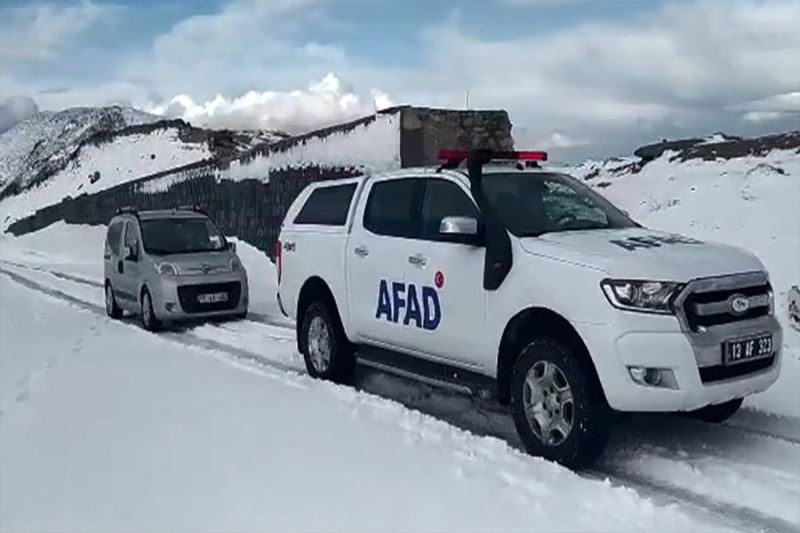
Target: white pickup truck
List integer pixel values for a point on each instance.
(492, 274)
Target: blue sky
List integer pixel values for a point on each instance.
(579, 77)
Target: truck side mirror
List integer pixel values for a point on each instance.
(465, 230)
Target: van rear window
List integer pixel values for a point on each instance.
(327, 206)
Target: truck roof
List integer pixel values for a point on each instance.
(461, 173)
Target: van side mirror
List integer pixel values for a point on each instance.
(131, 254)
(232, 246)
(464, 230)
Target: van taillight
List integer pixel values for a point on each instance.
(278, 260)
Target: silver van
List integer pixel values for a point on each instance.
(171, 265)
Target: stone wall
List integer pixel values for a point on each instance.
(425, 131)
(253, 209)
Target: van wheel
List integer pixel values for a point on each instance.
(326, 351)
(716, 414)
(112, 309)
(149, 319)
(559, 410)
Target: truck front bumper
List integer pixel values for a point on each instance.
(695, 360)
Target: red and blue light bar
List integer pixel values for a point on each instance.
(526, 155)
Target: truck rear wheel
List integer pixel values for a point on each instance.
(716, 414)
(326, 351)
(558, 408)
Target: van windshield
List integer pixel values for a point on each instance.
(181, 235)
(532, 204)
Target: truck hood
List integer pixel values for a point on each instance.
(644, 253)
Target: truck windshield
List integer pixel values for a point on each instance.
(532, 204)
(181, 235)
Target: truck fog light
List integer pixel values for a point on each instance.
(637, 373)
(170, 306)
(653, 377)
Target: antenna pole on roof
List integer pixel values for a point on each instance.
(466, 99)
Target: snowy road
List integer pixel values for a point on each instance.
(743, 478)
(107, 427)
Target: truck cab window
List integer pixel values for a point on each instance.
(443, 199)
(391, 209)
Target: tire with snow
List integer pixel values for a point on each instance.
(717, 413)
(149, 320)
(326, 351)
(112, 309)
(558, 407)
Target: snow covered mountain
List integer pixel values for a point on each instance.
(42, 144)
(713, 150)
(51, 156)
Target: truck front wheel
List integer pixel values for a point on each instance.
(326, 351)
(558, 408)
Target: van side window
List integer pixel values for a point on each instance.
(443, 198)
(112, 239)
(327, 206)
(392, 208)
(131, 238)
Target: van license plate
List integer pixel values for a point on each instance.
(748, 348)
(212, 298)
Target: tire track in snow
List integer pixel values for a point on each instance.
(472, 417)
(251, 316)
(280, 322)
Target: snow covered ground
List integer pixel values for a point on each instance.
(216, 427)
(105, 427)
(233, 440)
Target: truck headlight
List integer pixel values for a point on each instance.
(642, 295)
(167, 269)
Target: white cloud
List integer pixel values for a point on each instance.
(39, 31)
(674, 69)
(680, 68)
(324, 103)
(246, 45)
(14, 109)
(560, 140)
(772, 108)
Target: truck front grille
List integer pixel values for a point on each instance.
(708, 302)
(187, 294)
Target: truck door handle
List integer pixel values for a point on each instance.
(417, 260)
(361, 251)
